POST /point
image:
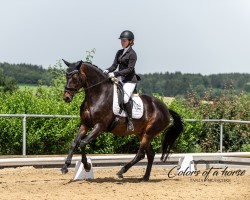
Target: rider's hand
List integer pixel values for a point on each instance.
(105, 71)
(111, 75)
(115, 80)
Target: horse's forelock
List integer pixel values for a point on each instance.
(71, 69)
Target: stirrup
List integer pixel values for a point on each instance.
(130, 126)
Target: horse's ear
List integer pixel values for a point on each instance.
(66, 63)
(78, 64)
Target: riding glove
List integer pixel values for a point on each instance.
(111, 75)
(105, 71)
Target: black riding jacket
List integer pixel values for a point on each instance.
(126, 64)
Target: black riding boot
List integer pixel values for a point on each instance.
(128, 109)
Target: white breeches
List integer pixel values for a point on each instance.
(128, 90)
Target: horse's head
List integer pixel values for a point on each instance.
(74, 80)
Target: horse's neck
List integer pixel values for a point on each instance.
(99, 93)
(94, 76)
(100, 97)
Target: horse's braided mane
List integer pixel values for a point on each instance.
(89, 63)
(73, 68)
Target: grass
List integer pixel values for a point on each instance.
(22, 87)
(30, 87)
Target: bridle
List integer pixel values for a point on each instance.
(79, 81)
(69, 75)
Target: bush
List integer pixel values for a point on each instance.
(54, 135)
(227, 106)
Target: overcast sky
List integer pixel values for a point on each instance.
(190, 36)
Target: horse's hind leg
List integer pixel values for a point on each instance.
(144, 146)
(139, 156)
(150, 155)
(82, 131)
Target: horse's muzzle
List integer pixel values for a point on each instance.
(67, 99)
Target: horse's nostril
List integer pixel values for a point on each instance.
(67, 99)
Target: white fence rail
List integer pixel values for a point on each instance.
(233, 159)
(25, 116)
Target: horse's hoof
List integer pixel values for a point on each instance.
(144, 179)
(64, 170)
(119, 175)
(87, 167)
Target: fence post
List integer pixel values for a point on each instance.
(24, 134)
(221, 137)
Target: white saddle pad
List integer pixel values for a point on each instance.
(137, 110)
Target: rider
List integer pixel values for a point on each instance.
(126, 59)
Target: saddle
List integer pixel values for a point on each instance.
(118, 104)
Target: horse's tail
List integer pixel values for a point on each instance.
(171, 134)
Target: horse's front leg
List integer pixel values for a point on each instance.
(82, 131)
(96, 131)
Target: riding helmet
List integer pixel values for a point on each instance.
(127, 35)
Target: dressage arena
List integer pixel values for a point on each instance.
(30, 182)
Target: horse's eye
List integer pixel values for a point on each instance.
(67, 77)
(75, 76)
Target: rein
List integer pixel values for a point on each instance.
(96, 84)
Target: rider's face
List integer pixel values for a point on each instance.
(124, 43)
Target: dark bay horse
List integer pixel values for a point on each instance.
(96, 117)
